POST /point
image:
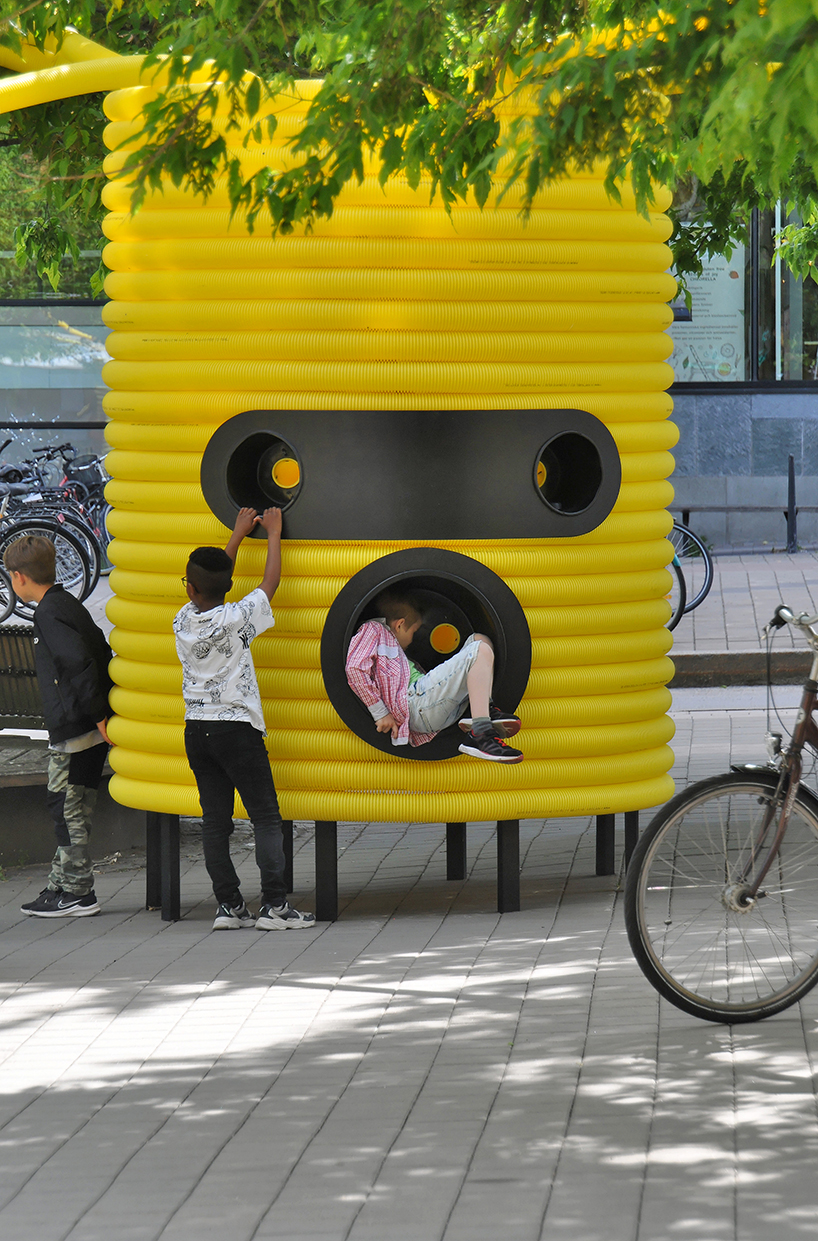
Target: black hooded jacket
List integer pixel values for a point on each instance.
(71, 656)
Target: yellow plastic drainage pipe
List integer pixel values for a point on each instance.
(393, 305)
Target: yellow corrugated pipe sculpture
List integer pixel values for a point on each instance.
(479, 326)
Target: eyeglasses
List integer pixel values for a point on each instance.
(184, 581)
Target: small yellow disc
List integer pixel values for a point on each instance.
(286, 473)
(541, 474)
(444, 639)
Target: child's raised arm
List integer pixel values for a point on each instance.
(271, 521)
(246, 519)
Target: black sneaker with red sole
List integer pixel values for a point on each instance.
(486, 745)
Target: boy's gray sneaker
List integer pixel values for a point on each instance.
(59, 904)
(282, 918)
(233, 918)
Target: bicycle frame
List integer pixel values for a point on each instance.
(804, 733)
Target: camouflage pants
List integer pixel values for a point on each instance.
(73, 780)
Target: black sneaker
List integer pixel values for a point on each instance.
(283, 918)
(45, 900)
(51, 904)
(233, 918)
(486, 745)
(506, 724)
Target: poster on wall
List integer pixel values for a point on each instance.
(709, 339)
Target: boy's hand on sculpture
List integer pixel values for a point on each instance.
(246, 520)
(271, 521)
(388, 724)
(102, 725)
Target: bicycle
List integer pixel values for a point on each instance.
(696, 564)
(69, 503)
(721, 895)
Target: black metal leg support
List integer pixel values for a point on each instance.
(167, 830)
(326, 871)
(153, 861)
(287, 841)
(455, 850)
(631, 833)
(508, 866)
(605, 824)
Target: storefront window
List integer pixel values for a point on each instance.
(750, 320)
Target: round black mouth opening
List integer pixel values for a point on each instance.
(263, 471)
(568, 473)
(458, 596)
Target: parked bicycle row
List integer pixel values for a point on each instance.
(60, 495)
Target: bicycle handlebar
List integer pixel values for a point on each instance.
(785, 616)
(66, 451)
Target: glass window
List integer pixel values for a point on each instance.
(750, 319)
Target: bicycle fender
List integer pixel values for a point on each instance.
(760, 769)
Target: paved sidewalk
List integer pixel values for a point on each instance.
(745, 592)
(421, 1069)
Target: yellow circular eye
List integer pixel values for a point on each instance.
(541, 474)
(286, 473)
(444, 639)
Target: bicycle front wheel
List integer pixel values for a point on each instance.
(693, 937)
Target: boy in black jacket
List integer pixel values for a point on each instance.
(71, 656)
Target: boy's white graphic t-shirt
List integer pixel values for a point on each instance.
(218, 677)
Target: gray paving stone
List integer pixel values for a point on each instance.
(422, 1069)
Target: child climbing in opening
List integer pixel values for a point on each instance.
(224, 725)
(414, 705)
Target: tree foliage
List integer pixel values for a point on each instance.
(716, 97)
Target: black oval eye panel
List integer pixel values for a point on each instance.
(393, 474)
(460, 597)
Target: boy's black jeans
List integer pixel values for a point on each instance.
(225, 757)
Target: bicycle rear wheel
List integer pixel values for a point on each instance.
(91, 545)
(692, 938)
(678, 594)
(696, 564)
(73, 572)
(7, 598)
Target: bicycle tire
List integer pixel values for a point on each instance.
(696, 564)
(73, 571)
(8, 600)
(73, 520)
(677, 596)
(693, 944)
(91, 543)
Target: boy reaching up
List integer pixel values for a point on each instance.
(224, 725)
(414, 705)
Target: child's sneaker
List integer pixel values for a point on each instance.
(233, 918)
(282, 918)
(486, 745)
(506, 723)
(59, 904)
